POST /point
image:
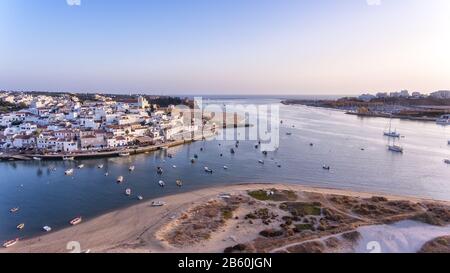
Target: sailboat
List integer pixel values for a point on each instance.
(391, 133)
(394, 148)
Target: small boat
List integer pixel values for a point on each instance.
(289, 134)
(128, 192)
(131, 168)
(221, 155)
(21, 226)
(37, 158)
(264, 152)
(47, 229)
(261, 161)
(10, 243)
(124, 154)
(158, 203)
(443, 120)
(195, 156)
(279, 165)
(395, 148)
(311, 144)
(68, 158)
(232, 151)
(447, 161)
(391, 134)
(326, 167)
(448, 142)
(208, 170)
(161, 183)
(179, 183)
(69, 172)
(159, 170)
(80, 166)
(120, 179)
(192, 161)
(140, 197)
(100, 166)
(174, 166)
(170, 156)
(106, 174)
(201, 149)
(76, 221)
(224, 195)
(256, 146)
(14, 210)
(225, 167)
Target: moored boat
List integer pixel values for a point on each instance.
(124, 154)
(14, 210)
(161, 183)
(47, 228)
(21, 226)
(128, 192)
(395, 148)
(37, 158)
(140, 197)
(131, 168)
(10, 243)
(326, 167)
(447, 161)
(68, 158)
(443, 120)
(68, 172)
(81, 166)
(76, 221)
(158, 203)
(100, 166)
(179, 183)
(261, 161)
(120, 179)
(208, 170)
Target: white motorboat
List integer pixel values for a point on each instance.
(106, 174)
(179, 183)
(124, 154)
(140, 197)
(68, 158)
(21, 226)
(47, 229)
(120, 179)
(81, 166)
(158, 203)
(100, 166)
(224, 195)
(174, 166)
(128, 192)
(208, 170)
(10, 243)
(225, 167)
(14, 210)
(37, 158)
(76, 221)
(69, 172)
(261, 161)
(443, 120)
(161, 183)
(131, 168)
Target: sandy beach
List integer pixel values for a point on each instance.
(143, 228)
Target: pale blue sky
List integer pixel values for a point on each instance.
(225, 47)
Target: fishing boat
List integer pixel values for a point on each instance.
(131, 168)
(447, 161)
(158, 203)
(128, 192)
(140, 197)
(81, 166)
(179, 183)
(100, 166)
(10, 243)
(443, 120)
(208, 170)
(37, 158)
(14, 210)
(120, 179)
(47, 228)
(76, 221)
(224, 195)
(21, 226)
(68, 158)
(161, 183)
(124, 154)
(69, 172)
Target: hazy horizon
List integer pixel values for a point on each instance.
(233, 47)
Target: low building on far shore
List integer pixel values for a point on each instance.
(441, 94)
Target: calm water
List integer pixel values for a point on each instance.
(49, 198)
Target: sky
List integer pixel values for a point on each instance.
(259, 47)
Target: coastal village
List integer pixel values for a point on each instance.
(65, 125)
